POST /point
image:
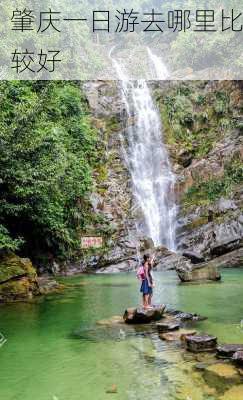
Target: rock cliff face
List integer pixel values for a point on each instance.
(203, 124)
(112, 196)
(207, 157)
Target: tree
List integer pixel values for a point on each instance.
(48, 150)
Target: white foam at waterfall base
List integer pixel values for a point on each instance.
(148, 162)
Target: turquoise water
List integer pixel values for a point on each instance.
(56, 351)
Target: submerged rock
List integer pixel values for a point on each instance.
(143, 316)
(178, 335)
(48, 285)
(115, 320)
(221, 376)
(200, 343)
(228, 350)
(167, 326)
(235, 393)
(113, 389)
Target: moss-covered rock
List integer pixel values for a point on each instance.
(19, 281)
(19, 289)
(222, 374)
(235, 393)
(13, 267)
(18, 278)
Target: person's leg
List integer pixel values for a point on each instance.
(150, 299)
(143, 300)
(146, 297)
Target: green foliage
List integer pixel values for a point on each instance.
(48, 152)
(195, 117)
(211, 190)
(221, 104)
(6, 242)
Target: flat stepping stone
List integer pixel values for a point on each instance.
(185, 316)
(228, 350)
(200, 343)
(167, 326)
(238, 357)
(143, 316)
(115, 320)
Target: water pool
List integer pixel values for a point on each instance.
(56, 351)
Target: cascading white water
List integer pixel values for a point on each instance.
(161, 71)
(147, 160)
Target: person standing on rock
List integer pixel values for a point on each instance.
(147, 285)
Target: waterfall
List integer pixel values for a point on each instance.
(161, 71)
(148, 162)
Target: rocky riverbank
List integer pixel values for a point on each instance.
(19, 280)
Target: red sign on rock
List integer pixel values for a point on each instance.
(91, 242)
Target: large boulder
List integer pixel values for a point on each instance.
(143, 316)
(188, 272)
(18, 278)
(19, 281)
